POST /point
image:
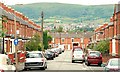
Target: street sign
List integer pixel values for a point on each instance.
(16, 42)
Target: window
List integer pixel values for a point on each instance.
(97, 54)
(63, 39)
(34, 55)
(114, 63)
(72, 39)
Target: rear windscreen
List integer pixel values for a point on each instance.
(77, 49)
(34, 55)
(97, 54)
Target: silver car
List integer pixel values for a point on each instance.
(35, 59)
(78, 55)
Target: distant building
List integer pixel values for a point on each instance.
(68, 39)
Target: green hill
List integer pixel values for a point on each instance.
(68, 12)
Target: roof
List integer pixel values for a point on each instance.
(117, 8)
(72, 35)
(10, 16)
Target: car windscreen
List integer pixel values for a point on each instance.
(114, 63)
(97, 54)
(78, 52)
(34, 55)
(77, 49)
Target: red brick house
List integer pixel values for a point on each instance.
(110, 31)
(25, 28)
(68, 39)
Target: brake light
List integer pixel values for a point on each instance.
(1, 70)
(73, 56)
(100, 56)
(83, 56)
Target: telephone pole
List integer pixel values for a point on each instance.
(42, 16)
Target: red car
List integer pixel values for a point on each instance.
(93, 57)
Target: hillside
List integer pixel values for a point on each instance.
(68, 13)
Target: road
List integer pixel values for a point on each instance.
(63, 63)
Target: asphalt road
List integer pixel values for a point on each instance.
(63, 63)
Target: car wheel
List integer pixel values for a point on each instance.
(46, 67)
(43, 68)
(25, 69)
(52, 58)
(73, 61)
(99, 64)
(87, 63)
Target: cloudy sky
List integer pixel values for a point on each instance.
(83, 2)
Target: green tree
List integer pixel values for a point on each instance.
(102, 46)
(49, 38)
(34, 44)
(59, 30)
(91, 46)
(45, 40)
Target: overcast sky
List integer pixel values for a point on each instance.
(83, 2)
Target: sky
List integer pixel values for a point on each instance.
(81, 2)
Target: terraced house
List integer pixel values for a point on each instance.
(110, 31)
(11, 22)
(80, 39)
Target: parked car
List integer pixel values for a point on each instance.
(93, 57)
(6, 64)
(35, 59)
(55, 51)
(53, 54)
(77, 54)
(59, 50)
(49, 55)
(62, 47)
(113, 65)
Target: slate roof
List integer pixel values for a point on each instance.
(10, 16)
(118, 7)
(72, 35)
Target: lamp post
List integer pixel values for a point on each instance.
(42, 16)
